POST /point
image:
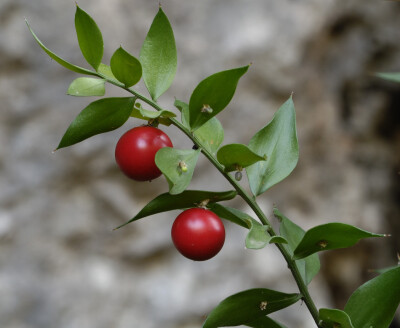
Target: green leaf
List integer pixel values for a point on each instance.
(247, 306)
(237, 156)
(188, 198)
(211, 135)
(62, 62)
(89, 38)
(394, 77)
(330, 236)
(308, 267)
(332, 318)
(126, 68)
(87, 86)
(278, 140)
(184, 109)
(231, 214)
(212, 95)
(100, 116)
(158, 56)
(258, 237)
(178, 166)
(264, 322)
(374, 303)
(106, 71)
(162, 116)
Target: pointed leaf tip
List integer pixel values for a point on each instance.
(330, 236)
(57, 58)
(89, 38)
(158, 56)
(278, 140)
(100, 116)
(215, 91)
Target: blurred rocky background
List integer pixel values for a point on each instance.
(61, 265)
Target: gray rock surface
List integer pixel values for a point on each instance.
(61, 265)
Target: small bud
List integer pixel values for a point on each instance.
(263, 305)
(238, 176)
(322, 243)
(206, 109)
(183, 166)
(203, 203)
(153, 122)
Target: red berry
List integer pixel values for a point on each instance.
(136, 149)
(198, 234)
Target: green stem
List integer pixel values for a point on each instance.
(242, 193)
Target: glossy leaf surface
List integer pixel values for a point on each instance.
(87, 86)
(89, 38)
(309, 266)
(330, 236)
(247, 306)
(62, 62)
(158, 56)
(394, 77)
(212, 95)
(100, 116)
(178, 166)
(333, 318)
(264, 322)
(188, 198)
(374, 303)
(125, 67)
(234, 156)
(277, 140)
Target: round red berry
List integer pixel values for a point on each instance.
(136, 149)
(198, 234)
